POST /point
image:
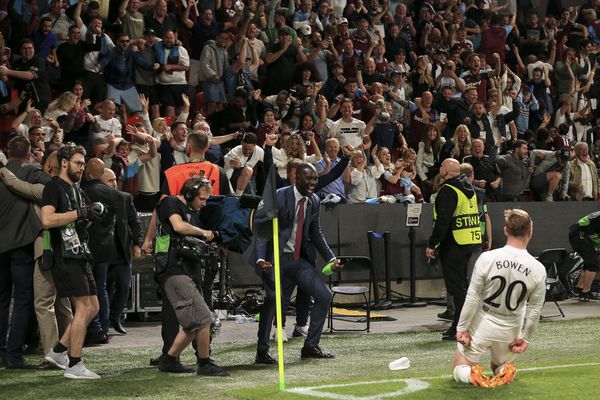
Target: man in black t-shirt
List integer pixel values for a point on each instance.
(280, 60)
(29, 75)
(180, 278)
(66, 212)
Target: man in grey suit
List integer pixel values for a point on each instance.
(300, 238)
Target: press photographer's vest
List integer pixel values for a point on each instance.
(178, 174)
(465, 220)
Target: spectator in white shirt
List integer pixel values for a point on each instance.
(240, 162)
(348, 130)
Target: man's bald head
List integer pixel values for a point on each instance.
(94, 169)
(450, 168)
(51, 165)
(109, 178)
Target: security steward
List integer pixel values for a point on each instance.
(197, 144)
(180, 277)
(584, 237)
(456, 234)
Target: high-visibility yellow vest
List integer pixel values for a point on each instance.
(465, 220)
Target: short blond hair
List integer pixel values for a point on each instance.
(518, 222)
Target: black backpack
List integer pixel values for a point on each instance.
(568, 272)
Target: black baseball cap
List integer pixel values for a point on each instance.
(149, 31)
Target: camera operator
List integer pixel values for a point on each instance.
(180, 277)
(66, 213)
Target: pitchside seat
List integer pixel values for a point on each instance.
(350, 265)
(551, 258)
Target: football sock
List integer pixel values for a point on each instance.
(462, 373)
(73, 361)
(59, 348)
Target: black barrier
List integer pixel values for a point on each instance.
(346, 226)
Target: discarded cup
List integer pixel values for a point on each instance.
(401, 363)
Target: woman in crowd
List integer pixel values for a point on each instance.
(294, 147)
(429, 159)
(308, 124)
(394, 180)
(460, 145)
(421, 79)
(269, 126)
(362, 178)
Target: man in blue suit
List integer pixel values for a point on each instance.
(300, 238)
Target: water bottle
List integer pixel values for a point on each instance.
(241, 319)
(215, 327)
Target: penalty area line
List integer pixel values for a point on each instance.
(412, 384)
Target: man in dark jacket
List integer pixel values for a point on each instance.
(20, 227)
(112, 246)
(456, 233)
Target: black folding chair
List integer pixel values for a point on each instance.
(551, 258)
(351, 263)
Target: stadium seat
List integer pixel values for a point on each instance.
(551, 258)
(351, 264)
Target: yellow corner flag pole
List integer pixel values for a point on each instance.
(278, 303)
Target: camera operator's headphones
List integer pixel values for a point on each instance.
(190, 194)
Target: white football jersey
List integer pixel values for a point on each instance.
(505, 297)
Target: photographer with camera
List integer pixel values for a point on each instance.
(180, 276)
(66, 213)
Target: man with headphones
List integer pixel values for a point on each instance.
(175, 177)
(181, 277)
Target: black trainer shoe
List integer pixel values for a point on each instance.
(449, 335)
(210, 369)
(170, 364)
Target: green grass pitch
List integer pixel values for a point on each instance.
(562, 363)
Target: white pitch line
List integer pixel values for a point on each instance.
(412, 384)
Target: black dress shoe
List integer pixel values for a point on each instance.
(19, 364)
(314, 352)
(264, 357)
(95, 338)
(446, 316)
(118, 327)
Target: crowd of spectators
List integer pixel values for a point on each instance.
(510, 90)
(389, 88)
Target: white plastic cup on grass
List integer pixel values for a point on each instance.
(401, 363)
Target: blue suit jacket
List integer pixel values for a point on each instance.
(312, 238)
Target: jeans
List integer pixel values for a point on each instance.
(110, 308)
(119, 278)
(100, 321)
(16, 281)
